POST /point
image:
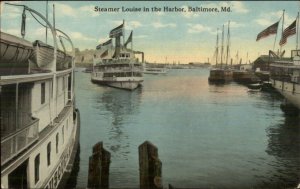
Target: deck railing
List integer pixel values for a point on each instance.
(10, 120)
(116, 70)
(18, 141)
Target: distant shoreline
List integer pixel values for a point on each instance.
(83, 65)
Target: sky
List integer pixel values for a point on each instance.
(180, 37)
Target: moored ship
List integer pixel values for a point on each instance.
(285, 78)
(221, 73)
(117, 66)
(39, 120)
(150, 69)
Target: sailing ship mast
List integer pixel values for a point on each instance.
(222, 47)
(228, 43)
(297, 32)
(217, 47)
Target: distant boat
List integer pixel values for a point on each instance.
(154, 69)
(221, 73)
(117, 66)
(88, 70)
(255, 86)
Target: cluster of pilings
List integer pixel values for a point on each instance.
(150, 167)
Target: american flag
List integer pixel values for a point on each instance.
(291, 30)
(104, 44)
(118, 31)
(268, 31)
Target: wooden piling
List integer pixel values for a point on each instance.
(98, 177)
(150, 167)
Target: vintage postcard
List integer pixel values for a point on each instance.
(150, 94)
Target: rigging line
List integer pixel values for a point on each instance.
(16, 5)
(37, 19)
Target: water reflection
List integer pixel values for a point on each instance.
(284, 145)
(121, 108)
(121, 105)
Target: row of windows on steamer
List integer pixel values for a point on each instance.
(49, 152)
(123, 74)
(43, 89)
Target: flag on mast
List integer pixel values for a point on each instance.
(104, 44)
(291, 30)
(118, 31)
(128, 40)
(268, 31)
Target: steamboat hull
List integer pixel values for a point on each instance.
(126, 83)
(291, 91)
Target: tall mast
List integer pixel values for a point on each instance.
(297, 32)
(228, 43)
(47, 19)
(131, 40)
(123, 32)
(217, 47)
(222, 47)
(282, 29)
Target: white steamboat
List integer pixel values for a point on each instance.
(117, 66)
(39, 121)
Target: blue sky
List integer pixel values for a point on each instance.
(181, 37)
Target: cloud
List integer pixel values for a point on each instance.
(130, 25)
(140, 36)
(10, 11)
(159, 13)
(80, 36)
(65, 10)
(1, 6)
(239, 7)
(40, 32)
(116, 23)
(234, 24)
(267, 19)
(161, 25)
(11, 31)
(198, 28)
(264, 21)
(88, 11)
(102, 40)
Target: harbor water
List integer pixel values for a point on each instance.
(208, 136)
